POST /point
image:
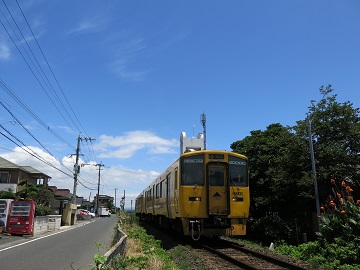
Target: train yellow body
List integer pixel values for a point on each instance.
(203, 192)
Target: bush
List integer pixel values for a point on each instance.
(341, 215)
(271, 228)
(41, 210)
(338, 245)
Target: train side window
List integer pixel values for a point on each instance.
(157, 191)
(162, 188)
(176, 178)
(160, 185)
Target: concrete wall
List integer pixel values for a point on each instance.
(40, 225)
(44, 224)
(54, 223)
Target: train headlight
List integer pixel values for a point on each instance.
(195, 199)
(238, 199)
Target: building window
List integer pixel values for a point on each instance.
(4, 177)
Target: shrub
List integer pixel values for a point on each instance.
(270, 228)
(341, 215)
(41, 210)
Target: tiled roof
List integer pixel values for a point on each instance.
(5, 164)
(63, 192)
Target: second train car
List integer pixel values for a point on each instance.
(203, 193)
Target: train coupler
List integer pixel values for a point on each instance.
(195, 224)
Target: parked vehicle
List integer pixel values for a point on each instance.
(104, 212)
(81, 215)
(88, 212)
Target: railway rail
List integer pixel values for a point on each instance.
(219, 253)
(241, 257)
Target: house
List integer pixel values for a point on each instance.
(62, 197)
(105, 201)
(11, 174)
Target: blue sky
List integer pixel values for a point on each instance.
(134, 74)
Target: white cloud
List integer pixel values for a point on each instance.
(133, 181)
(90, 25)
(4, 51)
(127, 145)
(121, 69)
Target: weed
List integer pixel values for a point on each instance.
(100, 260)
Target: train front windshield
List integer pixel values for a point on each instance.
(192, 171)
(238, 172)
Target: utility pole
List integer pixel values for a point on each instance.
(97, 196)
(122, 203)
(314, 171)
(115, 200)
(76, 166)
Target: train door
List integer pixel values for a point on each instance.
(217, 189)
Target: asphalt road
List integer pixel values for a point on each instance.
(69, 248)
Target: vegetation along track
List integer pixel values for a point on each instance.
(244, 258)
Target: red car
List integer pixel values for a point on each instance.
(82, 215)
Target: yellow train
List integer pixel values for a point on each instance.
(203, 192)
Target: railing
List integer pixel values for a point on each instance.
(119, 247)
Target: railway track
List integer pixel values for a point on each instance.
(234, 256)
(223, 254)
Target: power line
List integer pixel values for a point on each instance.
(56, 80)
(18, 121)
(35, 155)
(47, 82)
(29, 111)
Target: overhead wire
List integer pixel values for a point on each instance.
(42, 75)
(18, 121)
(56, 80)
(29, 151)
(27, 63)
(28, 110)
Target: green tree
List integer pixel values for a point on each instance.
(41, 194)
(28, 191)
(7, 194)
(280, 180)
(335, 129)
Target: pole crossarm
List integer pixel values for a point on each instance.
(76, 166)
